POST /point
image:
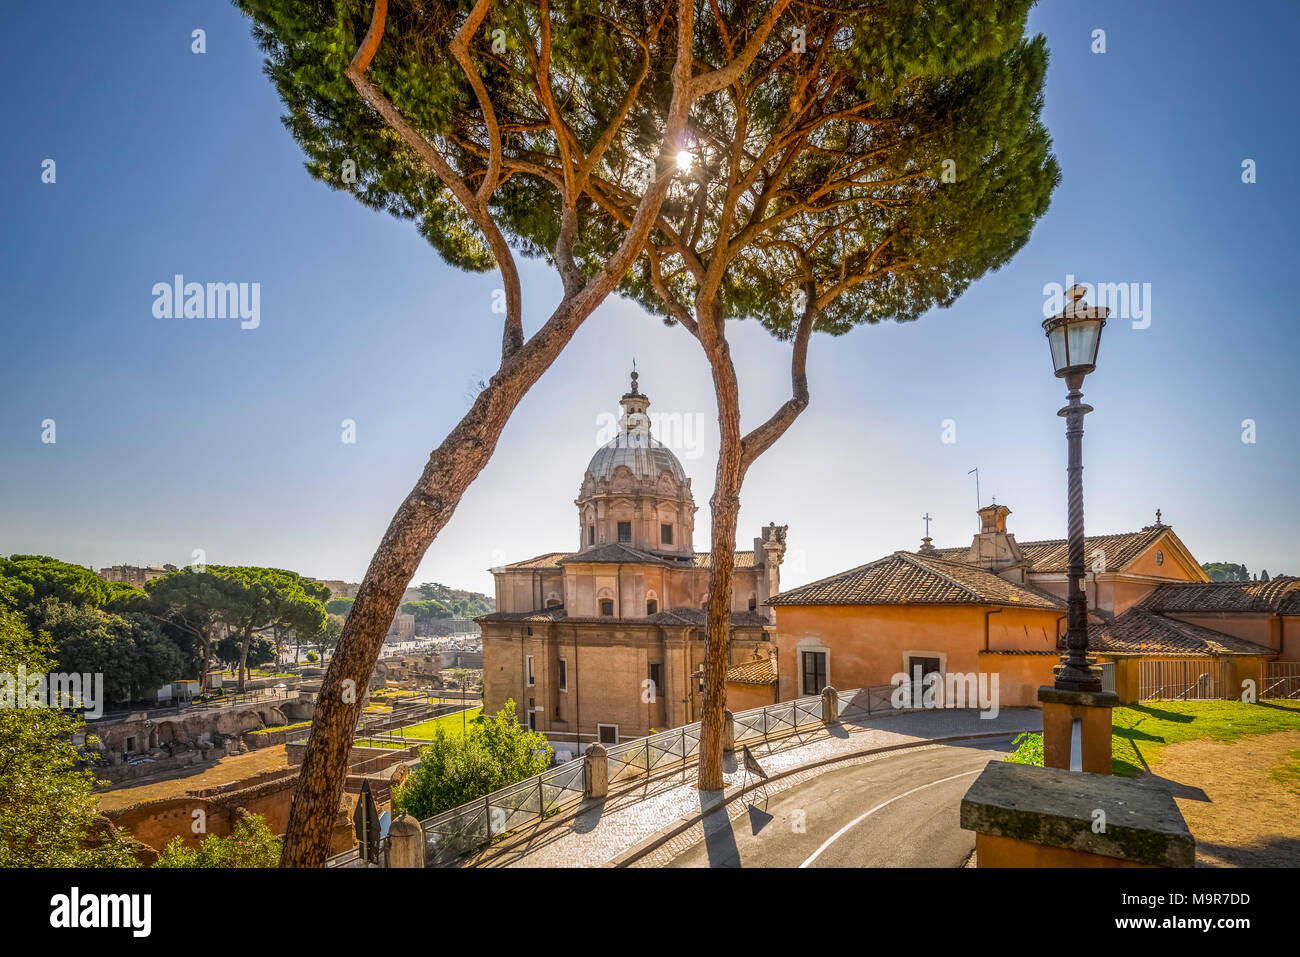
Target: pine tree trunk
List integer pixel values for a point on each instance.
(429, 506)
(724, 509)
(243, 655)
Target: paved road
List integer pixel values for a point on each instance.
(893, 812)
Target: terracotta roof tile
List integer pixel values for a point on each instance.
(1052, 555)
(760, 672)
(686, 615)
(615, 553)
(548, 560)
(1270, 596)
(743, 559)
(682, 615)
(1141, 632)
(904, 578)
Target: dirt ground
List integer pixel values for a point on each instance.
(175, 783)
(1239, 815)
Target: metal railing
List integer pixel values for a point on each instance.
(1188, 679)
(462, 830)
(1281, 681)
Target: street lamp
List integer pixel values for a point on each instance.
(1074, 335)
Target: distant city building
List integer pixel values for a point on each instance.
(402, 628)
(133, 574)
(341, 589)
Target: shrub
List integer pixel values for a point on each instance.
(251, 844)
(456, 769)
(1029, 749)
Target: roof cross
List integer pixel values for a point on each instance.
(926, 516)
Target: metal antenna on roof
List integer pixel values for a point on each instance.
(976, 472)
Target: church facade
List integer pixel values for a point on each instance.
(605, 642)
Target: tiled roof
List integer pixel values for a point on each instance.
(1141, 632)
(1121, 549)
(1270, 596)
(614, 553)
(548, 560)
(743, 559)
(904, 578)
(1052, 555)
(682, 616)
(760, 672)
(686, 615)
(548, 614)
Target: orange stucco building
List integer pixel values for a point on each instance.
(998, 607)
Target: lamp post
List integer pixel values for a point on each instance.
(1074, 335)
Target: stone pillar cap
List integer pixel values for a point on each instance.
(1055, 808)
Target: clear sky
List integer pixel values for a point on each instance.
(176, 435)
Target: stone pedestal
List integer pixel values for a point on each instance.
(830, 706)
(1092, 709)
(1027, 816)
(405, 842)
(596, 771)
(728, 732)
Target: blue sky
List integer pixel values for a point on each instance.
(174, 436)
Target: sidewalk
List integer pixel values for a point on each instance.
(607, 833)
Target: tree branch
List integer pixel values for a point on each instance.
(512, 335)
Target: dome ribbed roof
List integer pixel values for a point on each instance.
(643, 454)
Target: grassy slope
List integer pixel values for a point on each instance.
(452, 722)
(1138, 732)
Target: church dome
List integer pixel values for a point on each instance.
(634, 447)
(644, 456)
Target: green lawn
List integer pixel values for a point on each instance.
(1139, 732)
(281, 727)
(452, 722)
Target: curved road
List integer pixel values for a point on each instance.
(898, 811)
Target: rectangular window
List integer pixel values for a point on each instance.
(591, 534)
(564, 675)
(651, 606)
(531, 680)
(814, 672)
(656, 680)
(607, 733)
(607, 607)
(532, 720)
(665, 534)
(625, 531)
